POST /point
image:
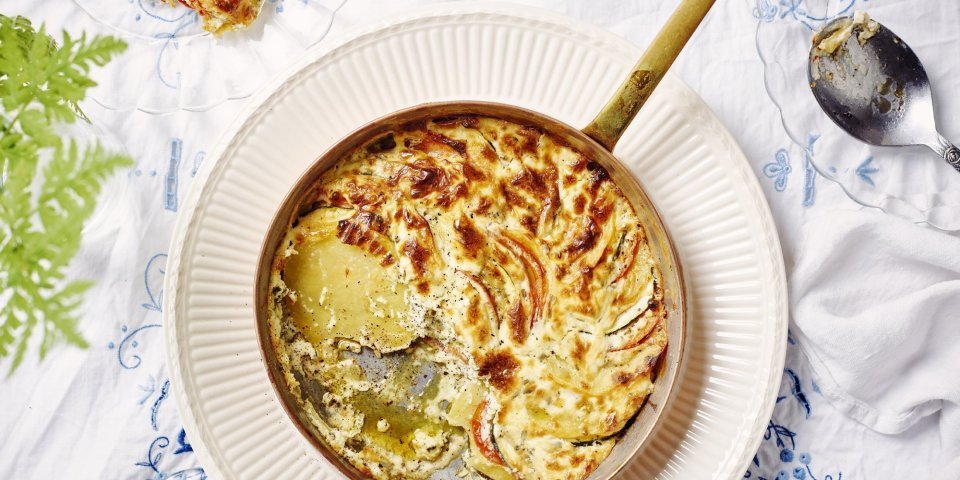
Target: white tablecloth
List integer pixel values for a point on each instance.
(106, 412)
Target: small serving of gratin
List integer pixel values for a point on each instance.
(224, 15)
(470, 294)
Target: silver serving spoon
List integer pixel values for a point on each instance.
(871, 84)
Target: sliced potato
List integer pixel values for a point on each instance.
(340, 291)
(465, 405)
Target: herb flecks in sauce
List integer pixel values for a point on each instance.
(470, 287)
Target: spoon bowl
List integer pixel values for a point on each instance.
(872, 85)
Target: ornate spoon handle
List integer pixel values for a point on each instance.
(948, 151)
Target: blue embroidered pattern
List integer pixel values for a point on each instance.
(129, 360)
(149, 390)
(809, 173)
(177, 167)
(156, 448)
(279, 4)
(765, 11)
(182, 445)
(161, 10)
(797, 391)
(153, 282)
(153, 462)
(176, 20)
(156, 404)
(171, 185)
(780, 432)
(170, 39)
(864, 170)
(798, 466)
(787, 462)
(779, 170)
(197, 161)
(768, 11)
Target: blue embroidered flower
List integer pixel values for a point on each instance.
(781, 442)
(779, 170)
(786, 455)
(864, 170)
(765, 11)
(786, 450)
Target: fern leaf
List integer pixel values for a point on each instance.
(41, 83)
(61, 325)
(72, 184)
(36, 127)
(28, 324)
(12, 322)
(98, 51)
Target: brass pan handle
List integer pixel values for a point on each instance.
(610, 123)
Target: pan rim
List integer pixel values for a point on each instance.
(285, 214)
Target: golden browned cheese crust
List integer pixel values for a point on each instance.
(222, 15)
(519, 260)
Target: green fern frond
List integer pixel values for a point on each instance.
(42, 82)
(71, 186)
(61, 324)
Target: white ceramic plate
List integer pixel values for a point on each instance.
(687, 161)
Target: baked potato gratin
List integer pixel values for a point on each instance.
(468, 295)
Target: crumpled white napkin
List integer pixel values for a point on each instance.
(883, 336)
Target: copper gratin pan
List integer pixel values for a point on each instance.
(596, 141)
